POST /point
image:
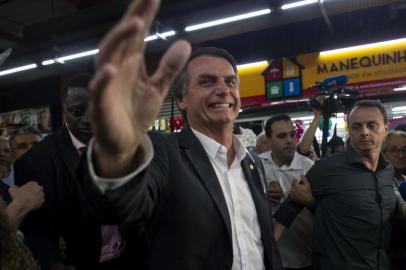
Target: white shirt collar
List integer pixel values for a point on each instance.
(213, 148)
(75, 141)
(294, 165)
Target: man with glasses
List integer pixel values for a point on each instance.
(394, 150)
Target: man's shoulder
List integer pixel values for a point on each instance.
(325, 163)
(303, 159)
(265, 155)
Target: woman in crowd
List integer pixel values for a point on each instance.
(394, 150)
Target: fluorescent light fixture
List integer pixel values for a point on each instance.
(303, 118)
(228, 20)
(160, 35)
(299, 4)
(240, 110)
(399, 109)
(365, 46)
(69, 57)
(17, 69)
(402, 88)
(253, 64)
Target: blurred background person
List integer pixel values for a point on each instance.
(262, 145)
(5, 157)
(21, 140)
(394, 150)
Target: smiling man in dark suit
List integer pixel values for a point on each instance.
(197, 194)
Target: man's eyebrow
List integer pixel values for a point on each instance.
(208, 75)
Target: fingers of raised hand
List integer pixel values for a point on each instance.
(113, 47)
(170, 65)
(127, 37)
(146, 10)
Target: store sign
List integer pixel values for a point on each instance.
(282, 79)
(384, 66)
(378, 64)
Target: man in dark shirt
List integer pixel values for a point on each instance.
(354, 197)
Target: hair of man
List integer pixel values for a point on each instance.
(273, 119)
(179, 87)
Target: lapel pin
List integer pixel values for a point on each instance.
(251, 167)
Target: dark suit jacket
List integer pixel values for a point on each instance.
(52, 164)
(179, 203)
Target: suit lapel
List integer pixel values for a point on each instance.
(201, 163)
(67, 151)
(253, 179)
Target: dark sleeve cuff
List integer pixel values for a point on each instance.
(287, 212)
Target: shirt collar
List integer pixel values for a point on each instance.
(294, 165)
(75, 141)
(213, 148)
(354, 157)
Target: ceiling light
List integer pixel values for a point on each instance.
(299, 4)
(260, 63)
(69, 57)
(160, 35)
(227, 20)
(402, 88)
(399, 109)
(17, 69)
(365, 46)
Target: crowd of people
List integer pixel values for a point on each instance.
(104, 193)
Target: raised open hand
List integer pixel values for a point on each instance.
(125, 100)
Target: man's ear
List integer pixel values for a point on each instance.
(268, 140)
(181, 103)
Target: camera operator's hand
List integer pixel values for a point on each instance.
(304, 146)
(320, 100)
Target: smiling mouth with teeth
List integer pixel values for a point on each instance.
(221, 105)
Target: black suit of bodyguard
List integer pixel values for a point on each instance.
(53, 163)
(179, 197)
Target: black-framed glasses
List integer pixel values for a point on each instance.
(394, 151)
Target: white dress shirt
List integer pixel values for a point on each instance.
(247, 245)
(246, 234)
(295, 245)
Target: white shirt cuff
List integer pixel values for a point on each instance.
(106, 184)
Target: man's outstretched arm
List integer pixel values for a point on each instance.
(124, 98)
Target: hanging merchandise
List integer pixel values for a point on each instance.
(299, 129)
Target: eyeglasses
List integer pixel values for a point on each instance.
(394, 151)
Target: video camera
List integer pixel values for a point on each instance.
(338, 98)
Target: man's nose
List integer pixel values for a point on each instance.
(86, 117)
(291, 139)
(222, 88)
(364, 131)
